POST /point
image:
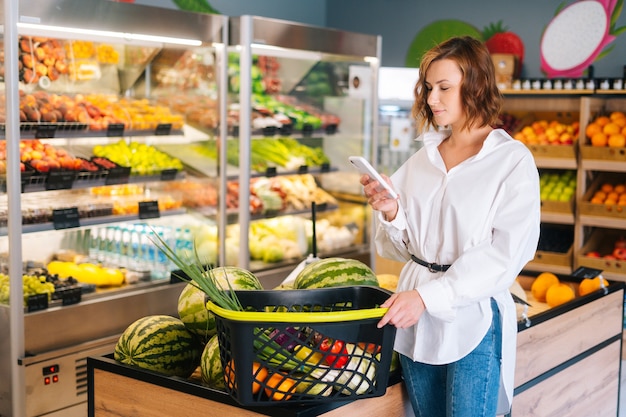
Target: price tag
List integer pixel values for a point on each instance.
(149, 210)
(270, 172)
(303, 169)
(60, 180)
(117, 175)
(163, 129)
(37, 302)
(65, 218)
(168, 174)
(585, 272)
(71, 296)
(45, 131)
(325, 167)
(115, 129)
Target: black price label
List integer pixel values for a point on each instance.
(45, 131)
(65, 218)
(163, 129)
(303, 169)
(169, 174)
(585, 272)
(71, 296)
(117, 175)
(115, 129)
(149, 210)
(270, 172)
(37, 302)
(325, 167)
(60, 180)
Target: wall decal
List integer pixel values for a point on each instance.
(434, 33)
(578, 35)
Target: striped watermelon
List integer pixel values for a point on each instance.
(211, 368)
(161, 344)
(191, 302)
(335, 272)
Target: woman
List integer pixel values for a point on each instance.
(466, 222)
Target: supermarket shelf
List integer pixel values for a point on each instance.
(90, 221)
(603, 165)
(606, 222)
(559, 218)
(557, 269)
(558, 163)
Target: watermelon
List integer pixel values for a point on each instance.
(211, 368)
(161, 344)
(191, 302)
(335, 272)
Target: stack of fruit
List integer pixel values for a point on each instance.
(548, 288)
(608, 130)
(618, 253)
(610, 194)
(543, 132)
(557, 185)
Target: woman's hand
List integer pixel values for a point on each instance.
(379, 200)
(404, 309)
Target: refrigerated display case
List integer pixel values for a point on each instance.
(156, 82)
(86, 82)
(293, 84)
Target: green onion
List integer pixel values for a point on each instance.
(199, 275)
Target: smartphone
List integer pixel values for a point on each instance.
(364, 167)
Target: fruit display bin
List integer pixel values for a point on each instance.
(285, 332)
(602, 241)
(587, 208)
(571, 347)
(602, 153)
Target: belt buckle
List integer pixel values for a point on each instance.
(431, 269)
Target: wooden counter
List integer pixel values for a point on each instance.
(118, 390)
(568, 364)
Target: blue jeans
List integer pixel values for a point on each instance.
(466, 388)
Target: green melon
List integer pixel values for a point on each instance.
(211, 369)
(161, 344)
(192, 306)
(335, 272)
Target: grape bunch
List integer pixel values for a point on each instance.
(509, 122)
(32, 284)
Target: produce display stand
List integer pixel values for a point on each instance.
(120, 390)
(569, 356)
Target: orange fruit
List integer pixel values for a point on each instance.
(611, 129)
(617, 115)
(592, 129)
(558, 294)
(259, 373)
(541, 284)
(599, 139)
(620, 121)
(619, 188)
(612, 195)
(589, 285)
(280, 387)
(617, 140)
(597, 200)
(607, 188)
(602, 120)
(624, 131)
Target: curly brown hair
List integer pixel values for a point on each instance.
(480, 95)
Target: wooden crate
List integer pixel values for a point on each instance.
(602, 241)
(614, 211)
(561, 207)
(554, 258)
(602, 153)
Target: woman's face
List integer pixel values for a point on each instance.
(443, 84)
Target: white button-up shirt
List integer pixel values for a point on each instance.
(483, 218)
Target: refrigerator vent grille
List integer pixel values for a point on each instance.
(81, 376)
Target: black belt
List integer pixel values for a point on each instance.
(431, 267)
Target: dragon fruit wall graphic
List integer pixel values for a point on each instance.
(578, 35)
